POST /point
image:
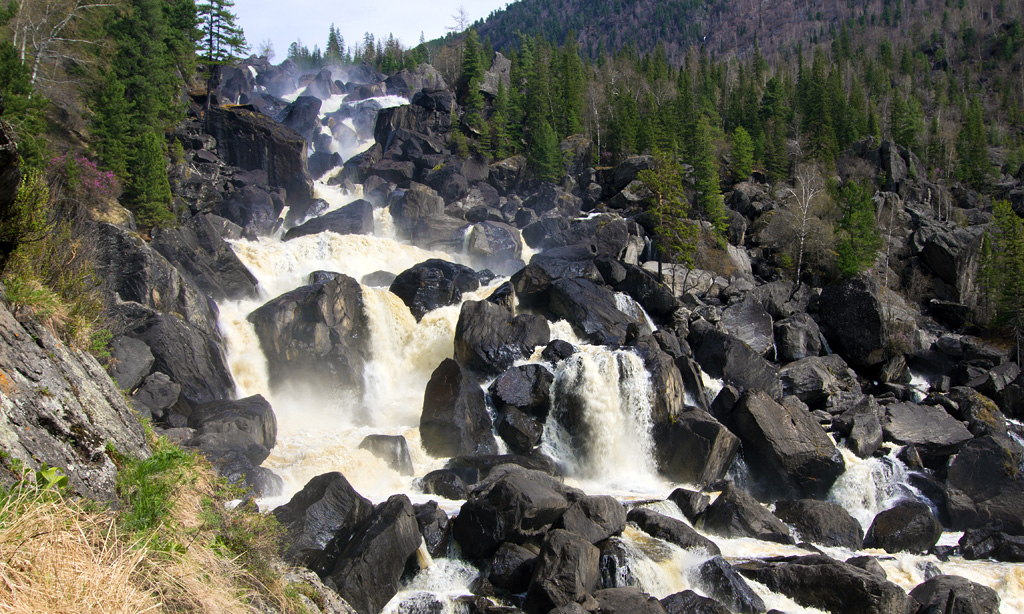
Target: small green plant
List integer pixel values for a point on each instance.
(99, 343)
(147, 486)
(50, 478)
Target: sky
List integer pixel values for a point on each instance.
(285, 21)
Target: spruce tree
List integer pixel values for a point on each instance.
(859, 239)
(742, 151)
(972, 149)
(147, 190)
(222, 39)
(710, 202)
(469, 81)
(544, 158)
(111, 127)
(675, 235)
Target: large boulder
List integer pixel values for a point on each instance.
(489, 339)
(736, 514)
(725, 357)
(818, 581)
(130, 362)
(989, 543)
(689, 602)
(408, 205)
(785, 446)
(694, 448)
(315, 334)
(253, 141)
(567, 569)
(433, 283)
(302, 115)
(407, 82)
(190, 357)
(796, 337)
(986, 484)
(326, 505)
(133, 271)
(526, 388)
(719, 580)
(929, 428)
(246, 425)
(199, 251)
(818, 380)
(656, 299)
(455, 419)
(671, 530)
(511, 567)
(371, 562)
(821, 522)
(496, 246)
(355, 218)
(533, 283)
(591, 309)
(392, 449)
(854, 321)
(626, 600)
(943, 594)
(748, 321)
(909, 526)
(513, 505)
(595, 519)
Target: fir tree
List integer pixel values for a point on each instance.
(111, 128)
(972, 149)
(675, 234)
(222, 40)
(147, 190)
(469, 81)
(710, 203)
(742, 151)
(545, 159)
(859, 239)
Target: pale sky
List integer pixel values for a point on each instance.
(284, 21)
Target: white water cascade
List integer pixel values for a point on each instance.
(600, 395)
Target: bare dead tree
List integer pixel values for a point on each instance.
(808, 186)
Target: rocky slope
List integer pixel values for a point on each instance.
(806, 371)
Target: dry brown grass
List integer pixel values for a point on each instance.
(57, 557)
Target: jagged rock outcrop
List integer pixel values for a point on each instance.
(488, 338)
(199, 251)
(315, 334)
(58, 406)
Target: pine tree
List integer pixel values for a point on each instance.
(148, 193)
(222, 39)
(544, 157)
(674, 233)
(742, 151)
(972, 149)
(1003, 271)
(469, 81)
(710, 202)
(859, 239)
(335, 51)
(111, 128)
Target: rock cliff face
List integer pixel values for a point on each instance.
(58, 406)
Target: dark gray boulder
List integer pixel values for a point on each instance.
(909, 526)
(818, 380)
(435, 527)
(748, 321)
(943, 594)
(985, 484)
(526, 388)
(818, 581)
(433, 283)
(626, 600)
(694, 448)
(444, 483)
(615, 564)
(130, 361)
(488, 338)
(567, 569)
(821, 522)
(315, 335)
(595, 519)
(591, 309)
(691, 503)
(689, 602)
(354, 218)
(736, 514)
(854, 322)
(247, 425)
(156, 395)
(721, 582)
(656, 299)
(190, 357)
(725, 357)
(534, 282)
(302, 115)
(454, 419)
(796, 337)
(326, 505)
(671, 530)
(861, 424)
(785, 446)
(519, 431)
(408, 205)
(392, 449)
(929, 428)
(990, 543)
(370, 565)
(513, 505)
(512, 567)
(199, 251)
(496, 246)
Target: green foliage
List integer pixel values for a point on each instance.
(50, 477)
(859, 238)
(148, 191)
(222, 40)
(111, 126)
(469, 81)
(742, 154)
(676, 234)
(1002, 269)
(147, 486)
(905, 121)
(23, 109)
(710, 203)
(974, 166)
(544, 158)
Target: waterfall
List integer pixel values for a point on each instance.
(871, 485)
(600, 424)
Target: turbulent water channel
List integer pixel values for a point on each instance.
(606, 390)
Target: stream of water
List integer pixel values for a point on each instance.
(604, 394)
